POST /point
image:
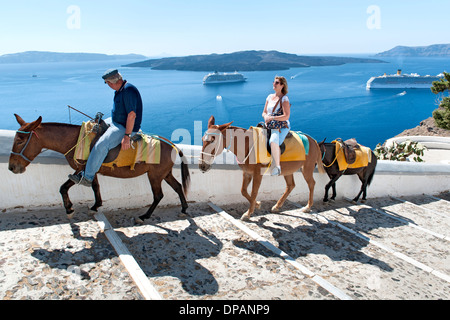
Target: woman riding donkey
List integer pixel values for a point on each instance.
(276, 115)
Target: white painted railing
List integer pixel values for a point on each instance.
(431, 142)
(39, 185)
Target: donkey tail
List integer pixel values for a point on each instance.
(373, 164)
(185, 176)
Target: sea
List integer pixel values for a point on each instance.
(328, 102)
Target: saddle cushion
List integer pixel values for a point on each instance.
(363, 157)
(147, 149)
(297, 147)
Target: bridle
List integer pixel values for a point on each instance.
(323, 157)
(20, 154)
(212, 156)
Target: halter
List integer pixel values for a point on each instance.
(323, 157)
(20, 154)
(213, 157)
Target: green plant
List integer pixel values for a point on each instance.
(400, 151)
(442, 114)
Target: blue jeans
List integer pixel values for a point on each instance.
(278, 137)
(109, 140)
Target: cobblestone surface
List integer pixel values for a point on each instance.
(204, 257)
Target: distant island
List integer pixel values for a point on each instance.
(435, 50)
(245, 61)
(45, 56)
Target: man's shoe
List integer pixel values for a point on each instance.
(76, 177)
(80, 179)
(85, 182)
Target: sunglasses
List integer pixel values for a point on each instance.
(277, 82)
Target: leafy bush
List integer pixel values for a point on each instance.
(442, 114)
(401, 151)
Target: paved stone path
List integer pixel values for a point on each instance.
(385, 249)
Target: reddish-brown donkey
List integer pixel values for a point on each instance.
(216, 140)
(33, 137)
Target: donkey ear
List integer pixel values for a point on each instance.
(19, 119)
(211, 121)
(225, 126)
(33, 125)
(38, 122)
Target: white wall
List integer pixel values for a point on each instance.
(432, 142)
(39, 185)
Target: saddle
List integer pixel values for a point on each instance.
(295, 147)
(349, 146)
(99, 129)
(147, 148)
(269, 134)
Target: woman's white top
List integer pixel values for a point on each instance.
(271, 104)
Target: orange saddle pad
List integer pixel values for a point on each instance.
(295, 149)
(147, 149)
(363, 157)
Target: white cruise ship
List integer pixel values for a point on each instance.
(402, 81)
(222, 77)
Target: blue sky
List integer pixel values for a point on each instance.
(185, 27)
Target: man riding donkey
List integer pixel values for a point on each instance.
(125, 122)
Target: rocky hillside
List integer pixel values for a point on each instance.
(245, 61)
(45, 56)
(435, 50)
(426, 127)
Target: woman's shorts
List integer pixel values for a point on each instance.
(277, 136)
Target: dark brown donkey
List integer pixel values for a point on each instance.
(33, 137)
(365, 174)
(216, 140)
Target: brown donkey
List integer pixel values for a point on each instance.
(33, 137)
(216, 139)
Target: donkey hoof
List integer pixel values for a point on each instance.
(92, 212)
(258, 205)
(70, 215)
(275, 209)
(305, 209)
(246, 216)
(183, 215)
(138, 221)
(94, 208)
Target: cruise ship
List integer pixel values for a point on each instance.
(402, 81)
(222, 77)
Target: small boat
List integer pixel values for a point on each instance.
(222, 77)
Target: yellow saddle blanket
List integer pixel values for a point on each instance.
(147, 149)
(363, 157)
(295, 150)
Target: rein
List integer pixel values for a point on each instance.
(213, 156)
(323, 157)
(20, 154)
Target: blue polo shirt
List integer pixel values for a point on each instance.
(127, 99)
